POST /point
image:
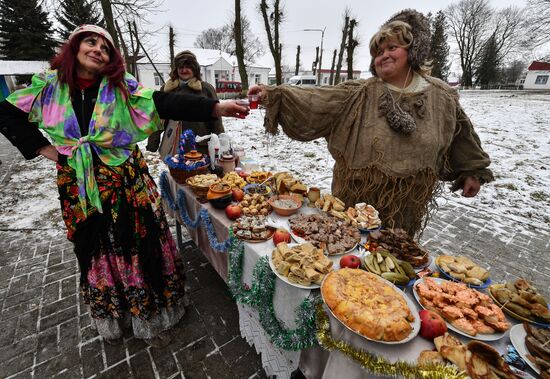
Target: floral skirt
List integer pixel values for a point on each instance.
(131, 271)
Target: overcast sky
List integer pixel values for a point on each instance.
(189, 18)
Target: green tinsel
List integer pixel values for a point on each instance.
(260, 297)
(379, 365)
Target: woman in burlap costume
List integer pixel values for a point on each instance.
(395, 136)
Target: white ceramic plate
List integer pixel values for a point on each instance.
(415, 324)
(479, 336)
(285, 279)
(427, 264)
(517, 337)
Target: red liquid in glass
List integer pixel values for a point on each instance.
(253, 104)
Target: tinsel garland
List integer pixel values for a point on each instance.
(378, 365)
(260, 297)
(202, 219)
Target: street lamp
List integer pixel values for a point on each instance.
(321, 54)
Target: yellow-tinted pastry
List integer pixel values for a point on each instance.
(367, 304)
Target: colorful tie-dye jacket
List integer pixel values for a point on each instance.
(121, 118)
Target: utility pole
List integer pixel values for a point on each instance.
(320, 53)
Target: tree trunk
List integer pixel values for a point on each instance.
(314, 64)
(273, 39)
(123, 44)
(171, 41)
(109, 21)
(352, 43)
(133, 58)
(138, 45)
(239, 51)
(331, 79)
(297, 69)
(342, 48)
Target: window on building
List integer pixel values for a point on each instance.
(325, 80)
(257, 78)
(541, 79)
(158, 79)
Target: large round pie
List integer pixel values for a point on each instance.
(367, 304)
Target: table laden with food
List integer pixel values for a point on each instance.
(332, 291)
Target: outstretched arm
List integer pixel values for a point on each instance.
(187, 107)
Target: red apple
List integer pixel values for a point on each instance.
(233, 211)
(281, 235)
(238, 194)
(431, 324)
(350, 261)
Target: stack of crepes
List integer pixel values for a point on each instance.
(303, 264)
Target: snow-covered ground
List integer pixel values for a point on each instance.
(514, 128)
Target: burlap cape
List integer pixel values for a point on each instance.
(398, 174)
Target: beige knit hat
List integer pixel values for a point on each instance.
(94, 29)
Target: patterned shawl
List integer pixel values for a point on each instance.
(121, 118)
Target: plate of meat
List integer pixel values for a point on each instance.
(466, 311)
(401, 246)
(332, 234)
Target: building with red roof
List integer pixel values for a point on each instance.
(538, 76)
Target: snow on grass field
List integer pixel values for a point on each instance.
(514, 128)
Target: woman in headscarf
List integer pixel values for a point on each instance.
(95, 113)
(395, 136)
(185, 77)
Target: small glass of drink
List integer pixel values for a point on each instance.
(253, 100)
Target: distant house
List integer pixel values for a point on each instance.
(538, 76)
(9, 69)
(215, 66)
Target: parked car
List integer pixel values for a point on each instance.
(227, 89)
(303, 80)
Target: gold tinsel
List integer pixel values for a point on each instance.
(378, 365)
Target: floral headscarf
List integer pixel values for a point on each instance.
(120, 119)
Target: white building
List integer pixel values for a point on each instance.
(538, 76)
(9, 69)
(325, 75)
(215, 65)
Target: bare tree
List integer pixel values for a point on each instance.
(331, 78)
(469, 21)
(272, 21)
(508, 33)
(126, 10)
(297, 69)
(222, 39)
(239, 49)
(109, 20)
(171, 44)
(316, 61)
(217, 39)
(342, 45)
(538, 21)
(353, 42)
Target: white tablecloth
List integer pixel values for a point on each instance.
(314, 362)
